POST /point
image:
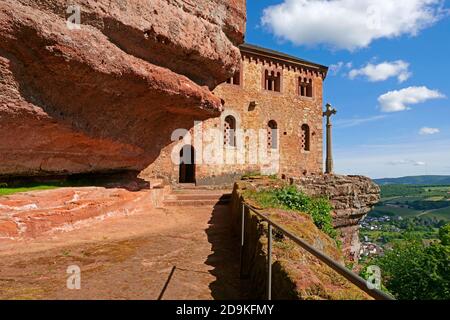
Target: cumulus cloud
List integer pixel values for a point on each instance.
(399, 100)
(383, 71)
(428, 131)
(349, 24)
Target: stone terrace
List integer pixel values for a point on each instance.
(173, 253)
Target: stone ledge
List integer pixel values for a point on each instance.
(352, 197)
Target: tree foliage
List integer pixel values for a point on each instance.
(444, 235)
(415, 271)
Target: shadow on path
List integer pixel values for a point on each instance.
(224, 257)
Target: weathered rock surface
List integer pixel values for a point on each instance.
(108, 96)
(352, 198)
(31, 214)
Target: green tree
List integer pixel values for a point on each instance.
(444, 234)
(414, 271)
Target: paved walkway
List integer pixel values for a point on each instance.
(174, 253)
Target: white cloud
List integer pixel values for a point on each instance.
(383, 71)
(349, 24)
(399, 100)
(428, 131)
(347, 123)
(337, 67)
(407, 162)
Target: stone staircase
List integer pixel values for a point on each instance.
(188, 195)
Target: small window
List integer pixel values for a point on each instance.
(272, 81)
(305, 138)
(272, 135)
(305, 87)
(229, 131)
(236, 79)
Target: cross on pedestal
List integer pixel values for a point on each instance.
(329, 162)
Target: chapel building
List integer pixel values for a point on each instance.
(272, 105)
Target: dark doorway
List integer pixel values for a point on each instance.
(187, 164)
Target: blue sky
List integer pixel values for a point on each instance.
(389, 79)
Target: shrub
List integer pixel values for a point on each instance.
(319, 208)
(291, 198)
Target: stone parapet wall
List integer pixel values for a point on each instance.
(296, 274)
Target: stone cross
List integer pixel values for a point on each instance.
(329, 162)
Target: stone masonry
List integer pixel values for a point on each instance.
(253, 106)
(352, 197)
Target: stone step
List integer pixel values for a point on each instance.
(190, 195)
(195, 203)
(193, 187)
(198, 196)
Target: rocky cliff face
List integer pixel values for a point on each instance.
(352, 197)
(107, 96)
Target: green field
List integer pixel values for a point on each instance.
(424, 201)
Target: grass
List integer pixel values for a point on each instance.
(395, 211)
(4, 191)
(441, 214)
(290, 198)
(8, 189)
(414, 200)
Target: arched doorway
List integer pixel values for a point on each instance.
(229, 131)
(187, 164)
(272, 135)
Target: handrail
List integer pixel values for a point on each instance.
(342, 270)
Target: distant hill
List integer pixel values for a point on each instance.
(415, 180)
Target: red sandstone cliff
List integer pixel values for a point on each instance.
(108, 96)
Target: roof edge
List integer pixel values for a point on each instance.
(250, 48)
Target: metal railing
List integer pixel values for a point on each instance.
(339, 268)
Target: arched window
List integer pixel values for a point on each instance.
(272, 135)
(305, 138)
(229, 131)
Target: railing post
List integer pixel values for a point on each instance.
(242, 236)
(269, 263)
